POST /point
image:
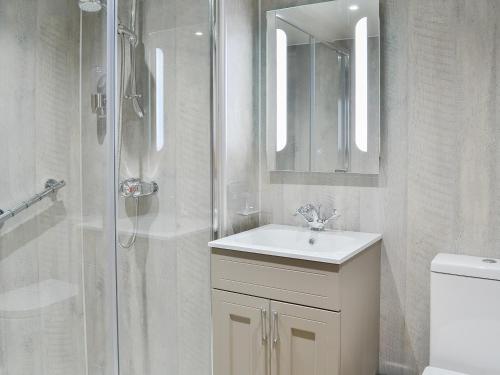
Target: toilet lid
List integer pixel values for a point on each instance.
(440, 371)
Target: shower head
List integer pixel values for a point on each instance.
(90, 5)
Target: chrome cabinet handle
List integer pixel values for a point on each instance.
(275, 328)
(263, 318)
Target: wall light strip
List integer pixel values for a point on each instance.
(361, 57)
(160, 99)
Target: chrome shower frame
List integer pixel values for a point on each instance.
(109, 225)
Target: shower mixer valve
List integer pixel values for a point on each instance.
(136, 188)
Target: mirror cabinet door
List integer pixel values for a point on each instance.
(322, 87)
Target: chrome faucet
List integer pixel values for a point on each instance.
(312, 215)
(136, 188)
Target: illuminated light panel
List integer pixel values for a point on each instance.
(160, 99)
(361, 69)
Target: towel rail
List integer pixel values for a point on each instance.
(51, 186)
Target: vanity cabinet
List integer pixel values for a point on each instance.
(304, 340)
(256, 336)
(239, 334)
(282, 316)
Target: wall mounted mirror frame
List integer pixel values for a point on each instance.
(321, 96)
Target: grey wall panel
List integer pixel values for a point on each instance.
(439, 189)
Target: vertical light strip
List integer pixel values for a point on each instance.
(340, 127)
(281, 89)
(361, 50)
(160, 100)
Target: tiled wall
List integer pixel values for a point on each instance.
(439, 187)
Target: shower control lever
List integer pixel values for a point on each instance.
(98, 104)
(136, 188)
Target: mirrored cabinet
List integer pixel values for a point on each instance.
(322, 92)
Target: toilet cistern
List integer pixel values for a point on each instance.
(465, 316)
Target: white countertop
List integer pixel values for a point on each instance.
(327, 246)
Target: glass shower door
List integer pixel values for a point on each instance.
(55, 245)
(164, 186)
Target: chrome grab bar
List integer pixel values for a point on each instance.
(51, 186)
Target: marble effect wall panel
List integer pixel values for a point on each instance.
(238, 146)
(438, 190)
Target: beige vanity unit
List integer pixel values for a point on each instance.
(288, 300)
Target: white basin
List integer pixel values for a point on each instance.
(300, 243)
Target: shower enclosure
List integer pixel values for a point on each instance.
(106, 204)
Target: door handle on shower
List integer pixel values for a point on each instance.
(98, 104)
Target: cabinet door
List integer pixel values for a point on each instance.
(304, 340)
(240, 334)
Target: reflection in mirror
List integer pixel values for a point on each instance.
(281, 87)
(322, 91)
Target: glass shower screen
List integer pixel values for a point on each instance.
(106, 203)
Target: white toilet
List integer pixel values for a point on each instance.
(465, 316)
